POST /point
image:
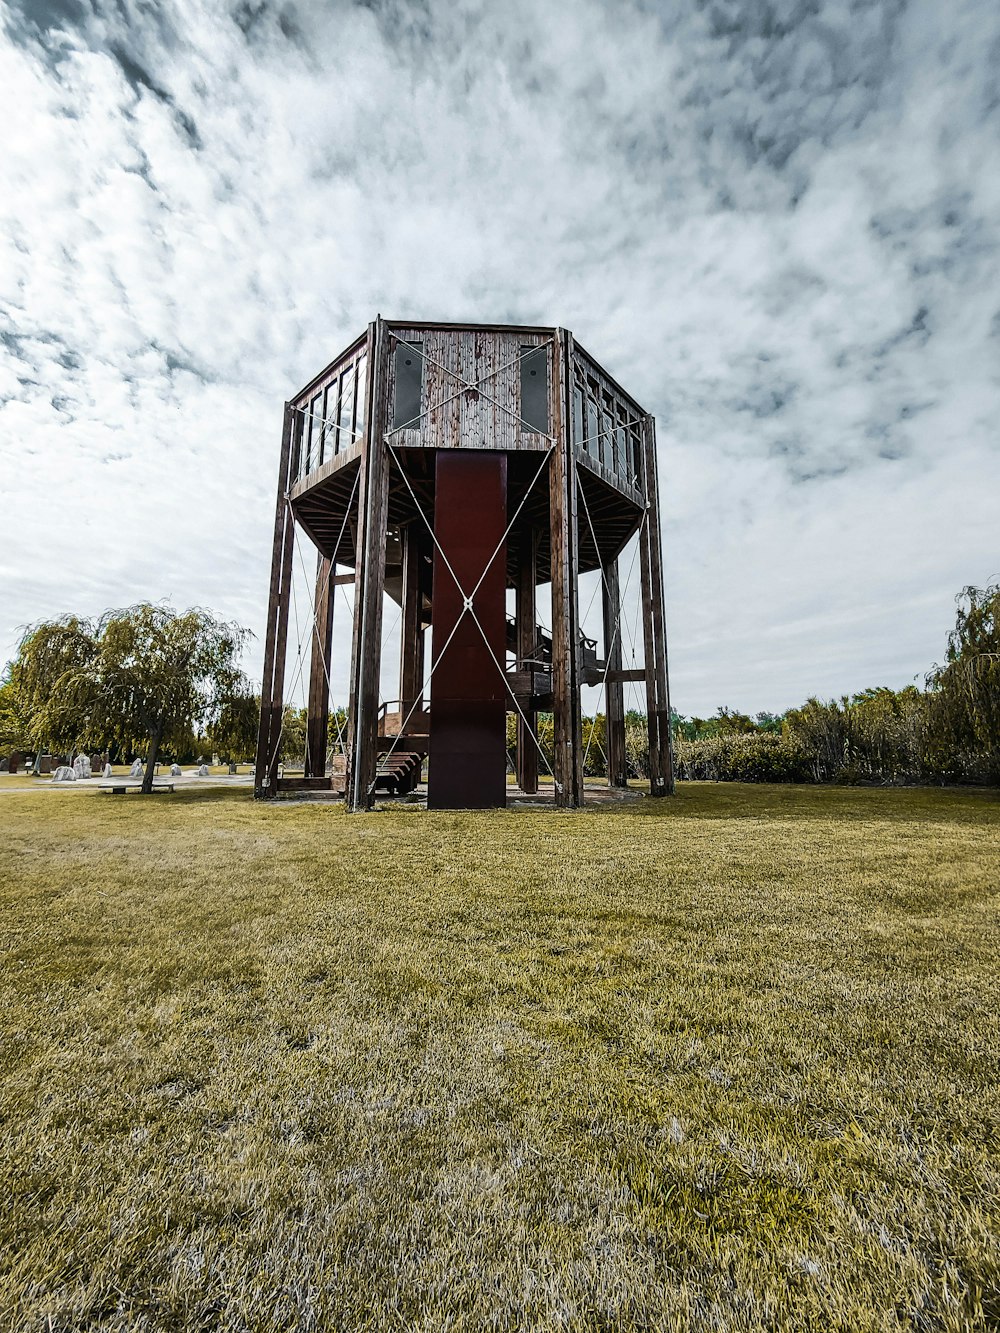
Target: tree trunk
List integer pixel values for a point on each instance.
(154, 749)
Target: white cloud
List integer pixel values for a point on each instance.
(779, 230)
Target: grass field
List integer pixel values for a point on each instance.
(728, 1062)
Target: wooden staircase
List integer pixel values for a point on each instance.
(399, 773)
(401, 757)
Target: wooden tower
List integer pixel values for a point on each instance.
(444, 464)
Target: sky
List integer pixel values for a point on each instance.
(776, 224)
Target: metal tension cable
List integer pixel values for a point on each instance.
(290, 514)
(319, 642)
(467, 386)
(467, 603)
(618, 613)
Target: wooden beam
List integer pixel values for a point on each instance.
(526, 619)
(369, 585)
(573, 543)
(661, 781)
(567, 724)
(649, 647)
(659, 614)
(318, 707)
(273, 680)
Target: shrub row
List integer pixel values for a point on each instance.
(756, 757)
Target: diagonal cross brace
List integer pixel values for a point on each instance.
(467, 386)
(468, 599)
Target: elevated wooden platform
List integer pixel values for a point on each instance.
(444, 466)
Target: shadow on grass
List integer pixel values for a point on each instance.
(729, 801)
(187, 796)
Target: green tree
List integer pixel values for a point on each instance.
(966, 687)
(731, 722)
(233, 735)
(636, 744)
(51, 652)
(769, 722)
(293, 735)
(14, 721)
(595, 746)
(141, 677)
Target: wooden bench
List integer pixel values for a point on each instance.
(125, 784)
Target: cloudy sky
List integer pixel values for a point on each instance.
(778, 224)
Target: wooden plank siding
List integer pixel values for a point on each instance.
(452, 416)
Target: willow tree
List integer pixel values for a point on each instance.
(50, 655)
(14, 721)
(143, 677)
(967, 685)
(234, 732)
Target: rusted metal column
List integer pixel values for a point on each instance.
(318, 710)
(526, 619)
(273, 680)
(411, 647)
(615, 690)
(369, 582)
(567, 723)
(468, 760)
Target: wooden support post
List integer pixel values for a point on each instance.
(615, 690)
(273, 681)
(659, 615)
(369, 586)
(526, 620)
(567, 723)
(318, 710)
(661, 774)
(411, 647)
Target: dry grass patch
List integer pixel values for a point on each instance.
(728, 1061)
